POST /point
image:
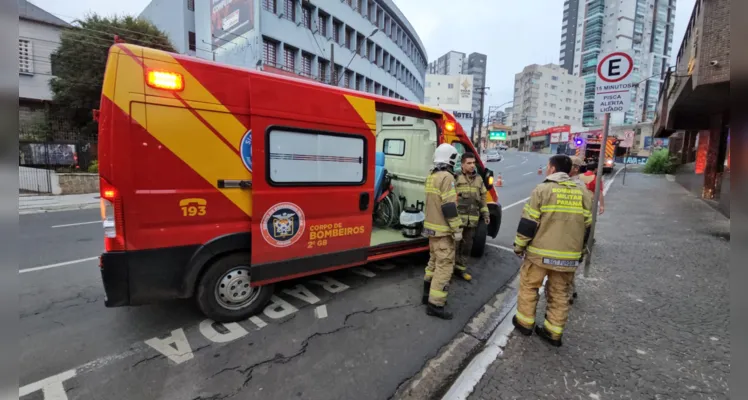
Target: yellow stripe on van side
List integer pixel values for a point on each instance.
(199, 147)
(366, 109)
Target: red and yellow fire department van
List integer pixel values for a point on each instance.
(217, 181)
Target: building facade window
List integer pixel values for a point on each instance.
(269, 52)
(289, 56)
(191, 41)
(306, 17)
(290, 13)
(322, 69)
(25, 57)
(270, 5)
(191, 5)
(323, 22)
(306, 64)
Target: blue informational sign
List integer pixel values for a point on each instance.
(246, 150)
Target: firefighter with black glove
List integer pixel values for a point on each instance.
(442, 227)
(472, 207)
(551, 236)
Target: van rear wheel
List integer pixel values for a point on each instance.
(225, 294)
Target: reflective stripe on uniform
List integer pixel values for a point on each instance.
(562, 255)
(437, 293)
(567, 183)
(484, 210)
(466, 188)
(460, 267)
(525, 319)
(455, 223)
(558, 330)
(429, 273)
(531, 211)
(436, 227)
(520, 242)
(564, 209)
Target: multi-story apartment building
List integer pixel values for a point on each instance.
(544, 96)
(365, 45)
(448, 64)
(594, 27)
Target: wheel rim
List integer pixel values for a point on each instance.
(233, 290)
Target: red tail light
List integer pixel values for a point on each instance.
(112, 217)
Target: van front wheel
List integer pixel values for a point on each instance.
(225, 294)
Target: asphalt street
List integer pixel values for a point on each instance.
(354, 333)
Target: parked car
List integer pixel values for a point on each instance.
(493, 155)
(503, 146)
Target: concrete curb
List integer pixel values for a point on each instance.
(67, 207)
(442, 370)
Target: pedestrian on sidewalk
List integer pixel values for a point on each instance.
(589, 178)
(551, 236)
(442, 227)
(472, 207)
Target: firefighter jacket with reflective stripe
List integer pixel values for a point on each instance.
(555, 224)
(442, 218)
(471, 198)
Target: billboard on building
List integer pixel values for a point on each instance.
(230, 19)
(465, 119)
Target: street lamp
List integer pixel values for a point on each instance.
(354, 56)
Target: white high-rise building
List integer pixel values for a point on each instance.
(594, 27)
(545, 96)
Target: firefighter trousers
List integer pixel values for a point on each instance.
(440, 267)
(463, 249)
(556, 292)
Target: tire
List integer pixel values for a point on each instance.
(231, 271)
(479, 240)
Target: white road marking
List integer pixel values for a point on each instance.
(514, 204)
(320, 312)
(62, 264)
(500, 247)
(52, 388)
(610, 183)
(495, 344)
(642, 352)
(76, 224)
(363, 272)
(510, 166)
(528, 173)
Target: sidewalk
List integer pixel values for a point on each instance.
(652, 319)
(32, 204)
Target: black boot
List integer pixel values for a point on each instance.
(436, 311)
(523, 330)
(547, 336)
(426, 289)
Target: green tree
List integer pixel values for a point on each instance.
(80, 60)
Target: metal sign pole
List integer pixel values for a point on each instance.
(598, 191)
(625, 161)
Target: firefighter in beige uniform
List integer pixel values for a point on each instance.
(442, 227)
(471, 205)
(551, 236)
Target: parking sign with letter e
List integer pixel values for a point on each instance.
(613, 86)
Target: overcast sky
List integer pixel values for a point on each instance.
(513, 33)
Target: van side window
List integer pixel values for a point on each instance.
(394, 147)
(308, 158)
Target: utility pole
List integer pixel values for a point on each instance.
(480, 117)
(598, 190)
(332, 65)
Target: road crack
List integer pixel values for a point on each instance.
(373, 310)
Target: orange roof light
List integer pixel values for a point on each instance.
(449, 126)
(165, 80)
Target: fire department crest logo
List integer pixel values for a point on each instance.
(283, 224)
(246, 150)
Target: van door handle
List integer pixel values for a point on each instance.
(363, 201)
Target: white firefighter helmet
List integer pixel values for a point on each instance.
(445, 154)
